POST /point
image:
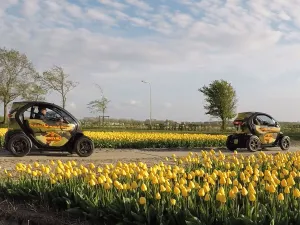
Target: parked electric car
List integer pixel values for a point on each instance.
(256, 130)
(44, 126)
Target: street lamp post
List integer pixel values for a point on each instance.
(150, 102)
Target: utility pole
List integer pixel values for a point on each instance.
(150, 102)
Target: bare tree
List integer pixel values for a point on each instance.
(56, 79)
(16, 74)
(99, 106)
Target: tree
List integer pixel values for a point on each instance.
(16, 74)
(221, 100)
(35, 92)
(56, 79)
(99, 106)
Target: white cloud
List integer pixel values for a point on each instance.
(52, 6)
(30, 8)
(168, 105)
(139, 4)
(181, 19)
(101, 16)
(6, 4)
(72, 105)
(114, 4)
(133, 102)
(74, 10)
(139, 21)
(282, 15)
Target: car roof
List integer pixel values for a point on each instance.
(35, 102)
(253, 112)
(250, 113)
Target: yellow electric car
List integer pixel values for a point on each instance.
(255, 131)
(44, 126)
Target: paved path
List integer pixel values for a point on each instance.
(100, 157)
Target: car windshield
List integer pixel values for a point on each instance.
(59, 113)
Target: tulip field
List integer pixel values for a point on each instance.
(150, 140)
(205, 188)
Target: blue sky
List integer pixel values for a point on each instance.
(177, 45)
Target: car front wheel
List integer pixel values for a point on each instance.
(284, 143)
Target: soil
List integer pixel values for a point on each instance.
(16, 213)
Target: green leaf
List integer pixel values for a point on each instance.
(139, 218)
(241, 221)
(152, 215)
(191, 220)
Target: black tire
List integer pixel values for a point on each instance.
(253, 143)
(229, 144)
(19, 145)
(285, 143)
(84, 146)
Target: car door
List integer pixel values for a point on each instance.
(266, 128)
(55, 130)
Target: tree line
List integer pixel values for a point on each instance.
(20, 80)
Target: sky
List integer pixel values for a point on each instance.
(176, 45)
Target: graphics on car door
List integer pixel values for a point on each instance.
(50, 126)
(266, 128)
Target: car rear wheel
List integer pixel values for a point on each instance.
(284, 143)
(84, 146)
(229, 143)
(19, 145)
(253, 143)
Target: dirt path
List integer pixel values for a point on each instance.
(104, 156)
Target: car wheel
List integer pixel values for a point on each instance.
(253, 143)
(229, 143)
(19, 145)
(84, 146)
(285, 143)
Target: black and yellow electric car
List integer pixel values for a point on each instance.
(255, 131)
(56, 130)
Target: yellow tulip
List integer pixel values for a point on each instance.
(107, 186)
(201, 192)
(173, 201)
(143, 187)
(287, 190)
(296, 192)
(142, 200)
(244, 191)
(252, 197)
(232, 194)
(280, 197)
(176, 191)
(157, 196)
(272, 188)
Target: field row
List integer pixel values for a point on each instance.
(150, 140)
(209, 188)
